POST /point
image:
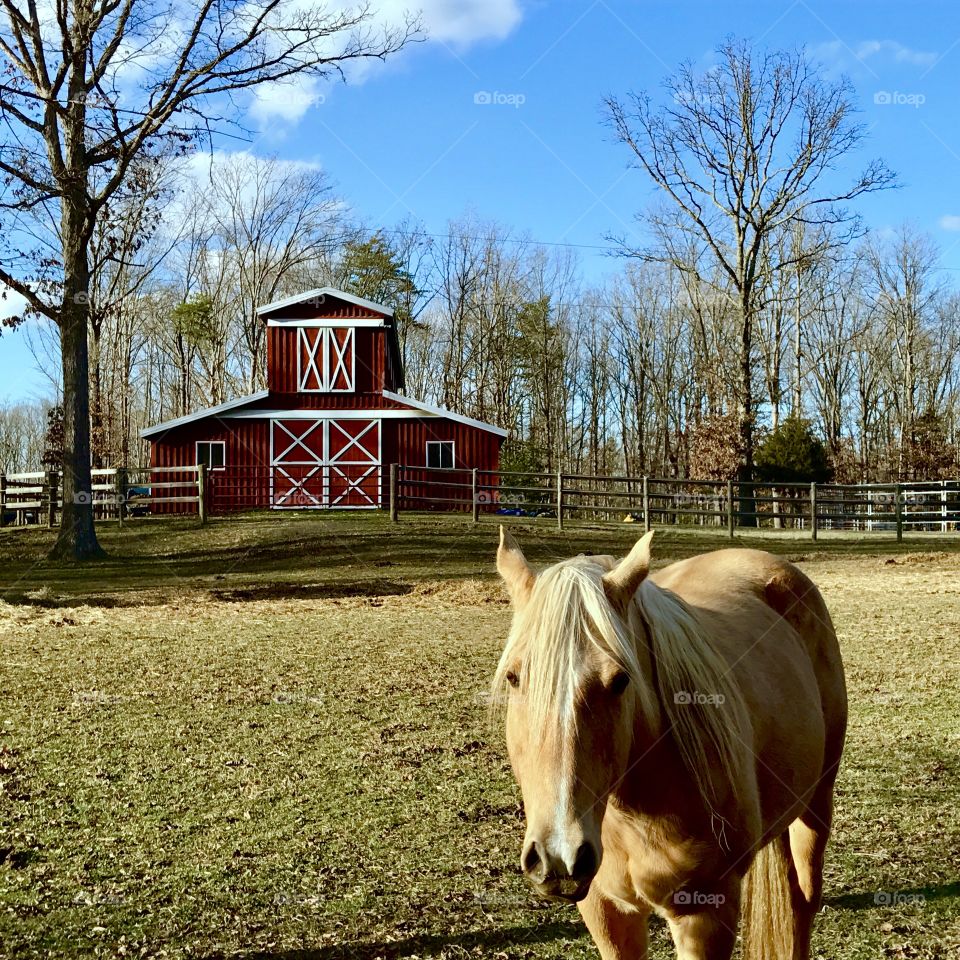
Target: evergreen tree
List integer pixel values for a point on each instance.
(793, 454)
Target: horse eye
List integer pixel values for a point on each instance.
(513, 679)
(619, 683)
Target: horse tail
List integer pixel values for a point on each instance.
(767, 907)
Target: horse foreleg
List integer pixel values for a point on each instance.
(619, 932)
(704, 925)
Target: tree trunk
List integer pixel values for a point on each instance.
(77, 539)
(748, 504)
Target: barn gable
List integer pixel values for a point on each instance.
(328, 341)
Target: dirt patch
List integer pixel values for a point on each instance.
(312, 591)
(468, 593)
(920, 559)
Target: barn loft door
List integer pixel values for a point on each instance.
(325, 463)
(325, 359)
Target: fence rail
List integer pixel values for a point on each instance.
(114, 492)
(731, 504)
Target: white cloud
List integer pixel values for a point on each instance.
(895, 51)
(285, 101)
(11, 302)
(459, 23)
(465, 22)
(950, 221)
(200, 162)
(837, 52)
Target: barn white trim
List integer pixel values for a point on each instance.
(352, 322)
(208, 412)
(320, 294)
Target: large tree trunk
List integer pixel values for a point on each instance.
(78, 538)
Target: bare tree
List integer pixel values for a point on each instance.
(907, 292)
(741, 153)
(89, 86)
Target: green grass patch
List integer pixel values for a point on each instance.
(269, 738)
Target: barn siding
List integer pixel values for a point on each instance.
(425, 490)
(244, 483)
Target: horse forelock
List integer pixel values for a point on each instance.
(567, 617)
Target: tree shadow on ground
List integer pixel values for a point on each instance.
(874, 899)
(423, 945)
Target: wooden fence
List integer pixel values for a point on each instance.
(558, 497)
(893, 507)
(116, 493)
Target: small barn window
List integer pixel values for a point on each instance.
(212, 453)
(440, 454)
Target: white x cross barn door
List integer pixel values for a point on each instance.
(325, 463)
(353, 451)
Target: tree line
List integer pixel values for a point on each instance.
(635, 375)
(757, 311)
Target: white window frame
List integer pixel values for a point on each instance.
(211, 443)
(442, 443)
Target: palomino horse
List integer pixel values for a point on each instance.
(676, 738)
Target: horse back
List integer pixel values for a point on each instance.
(773, 606)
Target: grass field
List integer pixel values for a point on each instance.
(270, 739)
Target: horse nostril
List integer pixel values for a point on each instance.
(531, 862)
(585, 865)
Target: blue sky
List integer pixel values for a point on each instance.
(410, 139)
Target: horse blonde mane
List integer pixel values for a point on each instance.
(689, 691)
(703, 705)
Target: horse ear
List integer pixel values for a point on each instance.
(513, 567)
(621, 583)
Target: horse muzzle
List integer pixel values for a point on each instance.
(552, 878)
(564, 891)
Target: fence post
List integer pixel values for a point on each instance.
(3, 499)
(202, 498)
(731, 518)
(120, 491)
(646, 505)
(898, 507)
(474, 488)
(394, 502)
(51, 485)
(813, 511)
(559, 500)
(943, 506)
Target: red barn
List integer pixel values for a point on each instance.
(332, 419)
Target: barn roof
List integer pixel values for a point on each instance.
(325, 292)
(234, 409)
(447, 414)
(208, 412)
